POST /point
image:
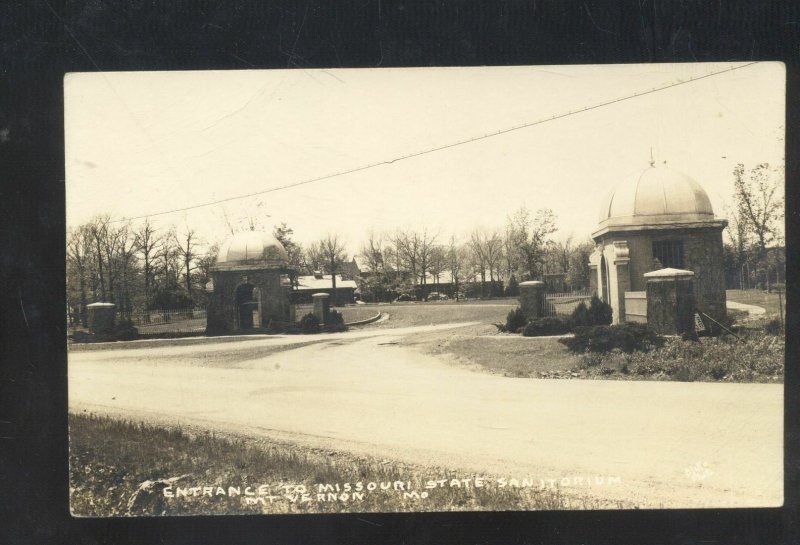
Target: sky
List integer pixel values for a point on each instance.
(141, 143)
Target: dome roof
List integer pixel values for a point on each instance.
(253, 248)
(657, 196)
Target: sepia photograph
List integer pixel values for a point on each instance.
(520, 288)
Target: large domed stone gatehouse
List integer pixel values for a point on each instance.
(251, 284)
(657, 219)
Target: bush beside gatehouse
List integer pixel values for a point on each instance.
(597, 313)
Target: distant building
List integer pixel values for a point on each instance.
(308, 285)
(658, 219)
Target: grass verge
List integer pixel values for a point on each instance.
(122, 468)
(754, 357)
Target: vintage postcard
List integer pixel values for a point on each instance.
(425, 289)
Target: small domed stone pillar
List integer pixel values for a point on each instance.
(531, 298)
(670, 301)
(101, 317)
(321, 307)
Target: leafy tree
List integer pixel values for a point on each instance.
(294, 250)
(759, 206)
(530, 236)
(578, 271)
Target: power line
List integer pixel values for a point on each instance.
(443, 147)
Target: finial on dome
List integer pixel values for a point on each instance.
(652, 161)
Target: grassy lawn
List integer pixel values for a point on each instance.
(482, 348)
(356, 313)
(760, 298)
(440, 312)
(754, 356)
(120, 468)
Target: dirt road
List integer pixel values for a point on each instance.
(653, 443)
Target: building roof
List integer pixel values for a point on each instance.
(311, 282)
(656, 197)
(253, 248)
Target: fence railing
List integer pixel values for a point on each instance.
(563, 304)
(167, 320)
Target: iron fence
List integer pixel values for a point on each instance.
(167, 320)
(563, 304)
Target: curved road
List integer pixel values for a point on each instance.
(655, 444)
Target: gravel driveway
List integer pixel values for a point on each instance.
(657, 444)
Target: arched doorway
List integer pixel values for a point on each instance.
(245, 305)
(604, 279)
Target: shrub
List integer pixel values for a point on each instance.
(627, 337)
(773, 327)
(754, 357)
(546, 326)
(515, 321)
(512, 290)
(335, 322)
(124, 330)
(600, 313)
(580, 316)
(309, 323)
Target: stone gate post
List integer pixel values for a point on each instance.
(101, 317)
(321, 307)
(531, 299)
(670, 301)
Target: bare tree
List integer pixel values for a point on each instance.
(146, 242)
(511, 251)
(478, 255)
(407, 251)
(487, 251)
(314, 259)
(456, 259)
(437, 263)
(126, 250)
(98, 230)
(333, 255)
(168, 260)
(79, 261)
(373, 253)
(424, 244)
(186, 244)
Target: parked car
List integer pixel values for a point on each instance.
(405, 297)
(436, 296)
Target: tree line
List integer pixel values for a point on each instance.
(143, 267)
(485, 263)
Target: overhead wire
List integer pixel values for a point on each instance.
(441, 147)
